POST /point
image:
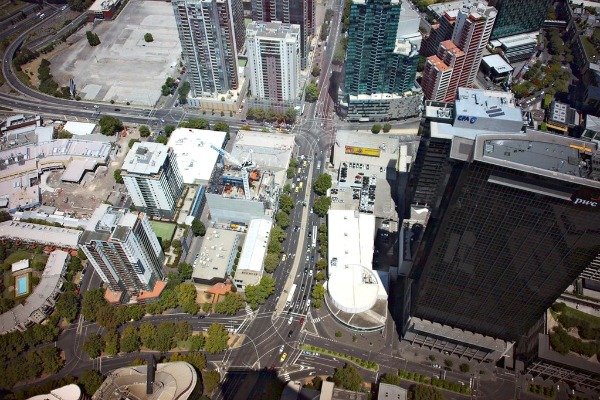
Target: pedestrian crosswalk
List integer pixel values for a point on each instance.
(286, 377)
(248, 310)
(316, 320)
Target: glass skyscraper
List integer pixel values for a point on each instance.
(515, 218)
(375, 62)
(518, 16)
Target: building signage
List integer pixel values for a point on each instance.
(363, 151)
(586, 198)
(466, 118)
(590, 203)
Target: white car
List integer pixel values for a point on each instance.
(281, 349)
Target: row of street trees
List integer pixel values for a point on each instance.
(320, 187)
(271, 115)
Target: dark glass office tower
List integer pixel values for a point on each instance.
(518, 16)
(373, 63)
(299, 12)
(515, 218)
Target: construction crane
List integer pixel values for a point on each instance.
(244, 167)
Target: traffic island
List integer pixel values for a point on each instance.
(370, 365)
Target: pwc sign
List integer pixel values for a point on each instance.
(590, 203)
(586, 198)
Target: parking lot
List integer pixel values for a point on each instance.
(123, 68)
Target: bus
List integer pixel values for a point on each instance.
(314, 236)
(290, 297)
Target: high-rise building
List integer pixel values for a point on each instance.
(440, 31)
(152, 179)
(123, 249)
(298, 12)
(381, 61)
(209, 43)
(514, 216)
(517, 16)
(457, 60)
(273, 50)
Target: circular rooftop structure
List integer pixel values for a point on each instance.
(353, 288)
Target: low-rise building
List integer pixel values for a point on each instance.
(562, 118)
(496, 68)
(103, 10)
(214, 262)
(518, 47)
(59, 238)
(67, 392)
(250, 266)
(40, 303)
(391, 392)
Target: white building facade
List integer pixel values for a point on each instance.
(274, 60)
(153, 179)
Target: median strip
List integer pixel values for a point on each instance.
(371, 365)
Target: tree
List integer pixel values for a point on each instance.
(132, 142)
(93, 300)
(67, 305)
(321, 206)
(169, 129)
(185, 270)
(271, 262)
(211, 380)
(387, 127)
(311, 93)
(168, 299)
(92, 38)
(165, 337)
(422, 392)
(93, 346)
(322, 183)
(391, 379)
(130, 340)
(51, 360)
(290, 115)
(464, 367)
(277, 234)
(186, 295)
(231, 304)
(198, 227)
(221, 127)
(109, 126)
(348, 378)
(197, 342)
(65, 134)
(5, 216)
(196, 123)
(183, 91)
(318, 292)
(217, 338)
(91, 381)
(258, 294)
(144, 131)
(147, 334)
(316, 71)
(448, 363)
(111, 343)
(148, 38)
(162, 140)
(376, 128)
(286, 203)
(107, 317)
(282, 219)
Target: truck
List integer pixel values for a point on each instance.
(290, 297)
(314, 236)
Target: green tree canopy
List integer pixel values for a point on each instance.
(216, 340)
(311, 93)
(144, 131)
(290, 115)
(211, 380)
(282, 219)
(185, 270)
(148, 334)
(91, 381)
(93, 300)
(422, 392)
(130, 340)
(387, 128)
(198, 227)
(319, 291)
(258, 294)
(183, 91)
(321, 206)
(68, 305)
(230, 305)
(322, 183)
(169, 128)
(111, 342)
(196, 123)
(286, 203)
(93, 346)
(109, 125)
(271, 262)
(221, 127)
(391, 379)
(148, 38)
(348, 378)
(376, 128)
(316, 70)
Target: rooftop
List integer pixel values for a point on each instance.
(255, 245)
(267, 150)
(50, 235)
(195, 158)
(439, 64)
(562, 114)
(391, 392)
(79, 128)
(486, 105)
(275, 30)
(498, 63)
(173, 380)
(67, 392)
(145, 158)
(215, 254)
(452, 48)
(351, 238)
(104, 221)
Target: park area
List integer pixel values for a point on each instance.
(16, 286)
(575, 332)
(164, 230)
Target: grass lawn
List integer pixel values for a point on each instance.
(17, 256)
(593, 320)
(164, 230)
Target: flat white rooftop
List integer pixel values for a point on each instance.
(255, 245)
(51, 235)
(267, 150)
(79, 128)
(145, 158)
(496, 62)
(351, 238)
(195, 159)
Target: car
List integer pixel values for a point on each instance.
(305, 271)
(283, 356)
(290, 320)
(281, 348)
(201, 316)
(312, 259)
(302, 287)
(300, 322)
(297, 189)
(290, 333)
(117, 109)
(310, 273)
(244, 120)
(283, 258)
